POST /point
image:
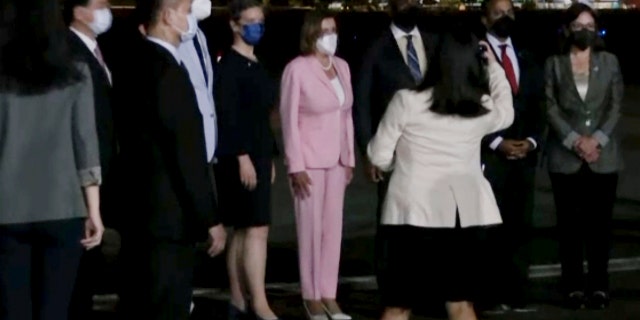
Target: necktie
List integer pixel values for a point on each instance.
(412, 61)
(508, 69)
(196, 43)
(98, 55)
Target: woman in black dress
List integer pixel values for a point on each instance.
(245, 96)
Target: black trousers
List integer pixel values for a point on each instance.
(584, 204)
(38, 264)
(381, 245)
(513, 184)
(93, 267)
(157, 280)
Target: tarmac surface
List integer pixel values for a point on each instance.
(358, 295)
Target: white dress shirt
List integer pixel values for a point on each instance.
(92, 44)
(511, 53)
(436, 159)
(416, 38)
(203, 88)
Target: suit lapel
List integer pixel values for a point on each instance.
(565, 62)
(321, 75)
(396, 58)
(594, 69)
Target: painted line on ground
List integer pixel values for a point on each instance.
(369, 282)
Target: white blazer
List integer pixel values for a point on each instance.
(203, 88)
(436, 159)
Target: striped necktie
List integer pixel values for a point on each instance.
(412, 60)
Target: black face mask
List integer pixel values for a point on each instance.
(583, 39)
(503, 27)
(406, 19)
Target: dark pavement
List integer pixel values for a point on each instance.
(363, 303)
(358, 293)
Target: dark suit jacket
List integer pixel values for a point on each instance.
(165, 185)
(102, 102)
(528, 104)
(571, 117)
(383, 73)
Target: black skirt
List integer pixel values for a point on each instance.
(427, 267)
(240, 207)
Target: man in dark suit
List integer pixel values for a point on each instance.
(87, 19)
(509, 158)
(397, 60)
(168, 188)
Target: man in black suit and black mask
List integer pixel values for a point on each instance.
(169, 189)
(509, 158)
(397, 60)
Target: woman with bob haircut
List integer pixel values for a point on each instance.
(438, 198)
(315, 109)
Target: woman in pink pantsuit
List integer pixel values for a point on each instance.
(315, 108)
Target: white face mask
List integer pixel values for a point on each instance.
(201, 9)
(192, 29)
(102, 20)
(327, 44)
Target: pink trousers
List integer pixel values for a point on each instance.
(319, 223)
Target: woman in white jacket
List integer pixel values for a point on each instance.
(439, 202)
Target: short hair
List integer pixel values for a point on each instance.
(458, 76)
(68, 8)
(34, 53)
(237, 7)
(311, 29)
(148, 11)
(570, 15)
(394, 5)
(486, 5)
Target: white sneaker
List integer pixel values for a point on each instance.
(191, 309)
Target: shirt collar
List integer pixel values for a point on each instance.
(496, 43)
(92, 44)
(399, 33)
(171, 48)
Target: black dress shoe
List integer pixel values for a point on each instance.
(599, 300)
(576, 300)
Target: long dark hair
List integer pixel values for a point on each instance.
(34, 53)
(458, 76)
(572, 13)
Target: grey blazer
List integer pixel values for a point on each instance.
(570, 117)
(48, 152)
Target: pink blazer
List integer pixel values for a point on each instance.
(318, 131)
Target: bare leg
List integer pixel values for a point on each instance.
(396, 314)
(234, 268)
(255, 264)
(461, 311)
(314, 307)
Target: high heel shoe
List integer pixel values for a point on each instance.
(314, 316)
(255, 316)
(236, 313)
(335, 316)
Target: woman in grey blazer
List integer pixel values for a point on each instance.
(584, 91)
(49, 163)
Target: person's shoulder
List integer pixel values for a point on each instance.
(607, 57)
(340, 62)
